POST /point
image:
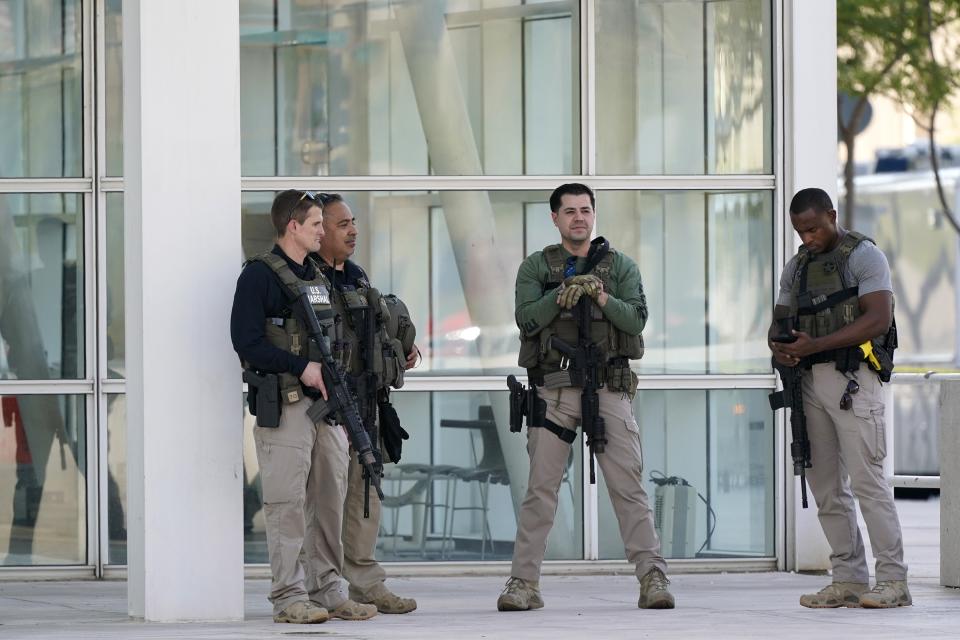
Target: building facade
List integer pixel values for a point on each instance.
(445, 124)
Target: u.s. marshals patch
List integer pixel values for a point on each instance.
(318, 294)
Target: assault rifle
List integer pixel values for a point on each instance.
(792, 398)
(366, 384)
(585, 362)
(340, 400)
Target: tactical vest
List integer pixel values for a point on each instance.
(822, 302)
(289, 333)
(390, 333)
(536, 354)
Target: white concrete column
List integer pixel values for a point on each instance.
(950, 483)
(181, 95)
(810, 146)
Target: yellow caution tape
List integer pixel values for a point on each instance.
(867, 349)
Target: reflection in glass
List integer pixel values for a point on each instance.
(41, 89)
(116, 346)
(721, 443)
(42, 483)
(443, 87)
(113, 81)
(684, 87)
(709, 299)
(41, 286)
(459, 290)
(455, 492)
(117, 478)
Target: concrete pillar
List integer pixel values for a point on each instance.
(950, 483)
(181, 99)
(810, 160)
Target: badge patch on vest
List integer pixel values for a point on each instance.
(318, 295)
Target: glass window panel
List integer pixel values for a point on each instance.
(709, 300)
(113, 81)
(722, 443)
(117, 478)
(41, 89)
(684, 87)
(444, 87)
(460, 295)
(454, 494)
(688, 246)
(41, 286)
(42, 480)
(116, 345)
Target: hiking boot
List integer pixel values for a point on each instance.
(520, 595)
(383, 599)
(351, 610)
(886, 594)
(302, 612)
(835, 594)
(653, 591)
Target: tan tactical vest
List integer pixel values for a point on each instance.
(617, 346)
(290, 334)
(389, 355)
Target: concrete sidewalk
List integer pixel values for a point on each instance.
(751, 605)
(709, 606)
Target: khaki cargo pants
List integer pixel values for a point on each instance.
(621, 465)
(303, 472)
(360, 567)
(847, 448)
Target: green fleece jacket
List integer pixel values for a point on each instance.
(536, 308)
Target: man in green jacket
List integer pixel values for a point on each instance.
(549, 285)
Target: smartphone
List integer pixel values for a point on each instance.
(784, 339)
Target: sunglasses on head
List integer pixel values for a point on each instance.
(314, 196)
(846, 400)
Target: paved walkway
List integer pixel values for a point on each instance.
(757, 605)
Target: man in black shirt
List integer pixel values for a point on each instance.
(303, 465)
(360, 567)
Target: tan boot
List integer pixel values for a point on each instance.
(351, 610)
(886, 594)
(653, 591)
(302, 612)
(520, 595)
(835, 594)
(383, 599)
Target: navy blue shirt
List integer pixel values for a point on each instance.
(260, 295)
(350, 276)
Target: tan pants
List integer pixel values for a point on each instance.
(847, 448)
(621, 465)
(360, 567)
(303, 473)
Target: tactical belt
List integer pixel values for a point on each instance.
(566, 435)
(840, 356)
(536, 376)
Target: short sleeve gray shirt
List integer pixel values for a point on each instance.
(867, 268)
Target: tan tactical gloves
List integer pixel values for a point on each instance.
(574, 287)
